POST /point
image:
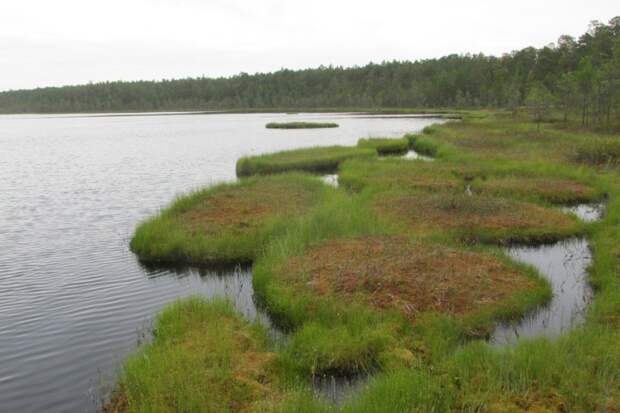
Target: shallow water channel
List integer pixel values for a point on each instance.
(74, 301)
(565, 265)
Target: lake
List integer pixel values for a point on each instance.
(74, 301)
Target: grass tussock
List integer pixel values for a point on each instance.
(300, 125)
(314, 160)
(476, 218)
(204, 357)
(385, 146)
(227, 223)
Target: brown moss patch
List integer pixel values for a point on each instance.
(243, 208)
(476, 217)
(396, 273)
(554, 190)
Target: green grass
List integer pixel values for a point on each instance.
(204, 357)
(300, 125)
(227, 223)
(401, 174)
(314, 160)
(385, 146)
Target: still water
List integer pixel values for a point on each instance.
(73, 299)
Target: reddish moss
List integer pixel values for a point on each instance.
(554, 190)
(244, 208)
(396, 273)
(476, 217)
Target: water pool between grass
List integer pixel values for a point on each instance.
(565, 265)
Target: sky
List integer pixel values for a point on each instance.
(60, 42)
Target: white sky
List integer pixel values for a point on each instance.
(58, 42)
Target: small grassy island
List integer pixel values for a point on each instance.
(300, 125)
(401, 273)
(321, 160)
(227, 223)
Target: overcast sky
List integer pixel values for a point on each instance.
(50, 43)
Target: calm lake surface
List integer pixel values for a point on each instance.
(73, 299)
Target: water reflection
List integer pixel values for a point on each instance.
(587, 212)
(337, 389)
(565, 265)
(413, 155)
(331, 180)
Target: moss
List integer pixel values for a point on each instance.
(476, 218)
(410, 277)
(552, 190)
(315, 160)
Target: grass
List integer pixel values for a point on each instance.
(227, 223)
(314, 160)
(385, 146)
(403, 174)
(599, 152)
(204, 357)
(300, 125)
(394, 276)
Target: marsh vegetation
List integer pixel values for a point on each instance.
(399, 274)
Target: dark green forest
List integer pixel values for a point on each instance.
(579, 78)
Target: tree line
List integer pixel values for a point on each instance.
(580, 77)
